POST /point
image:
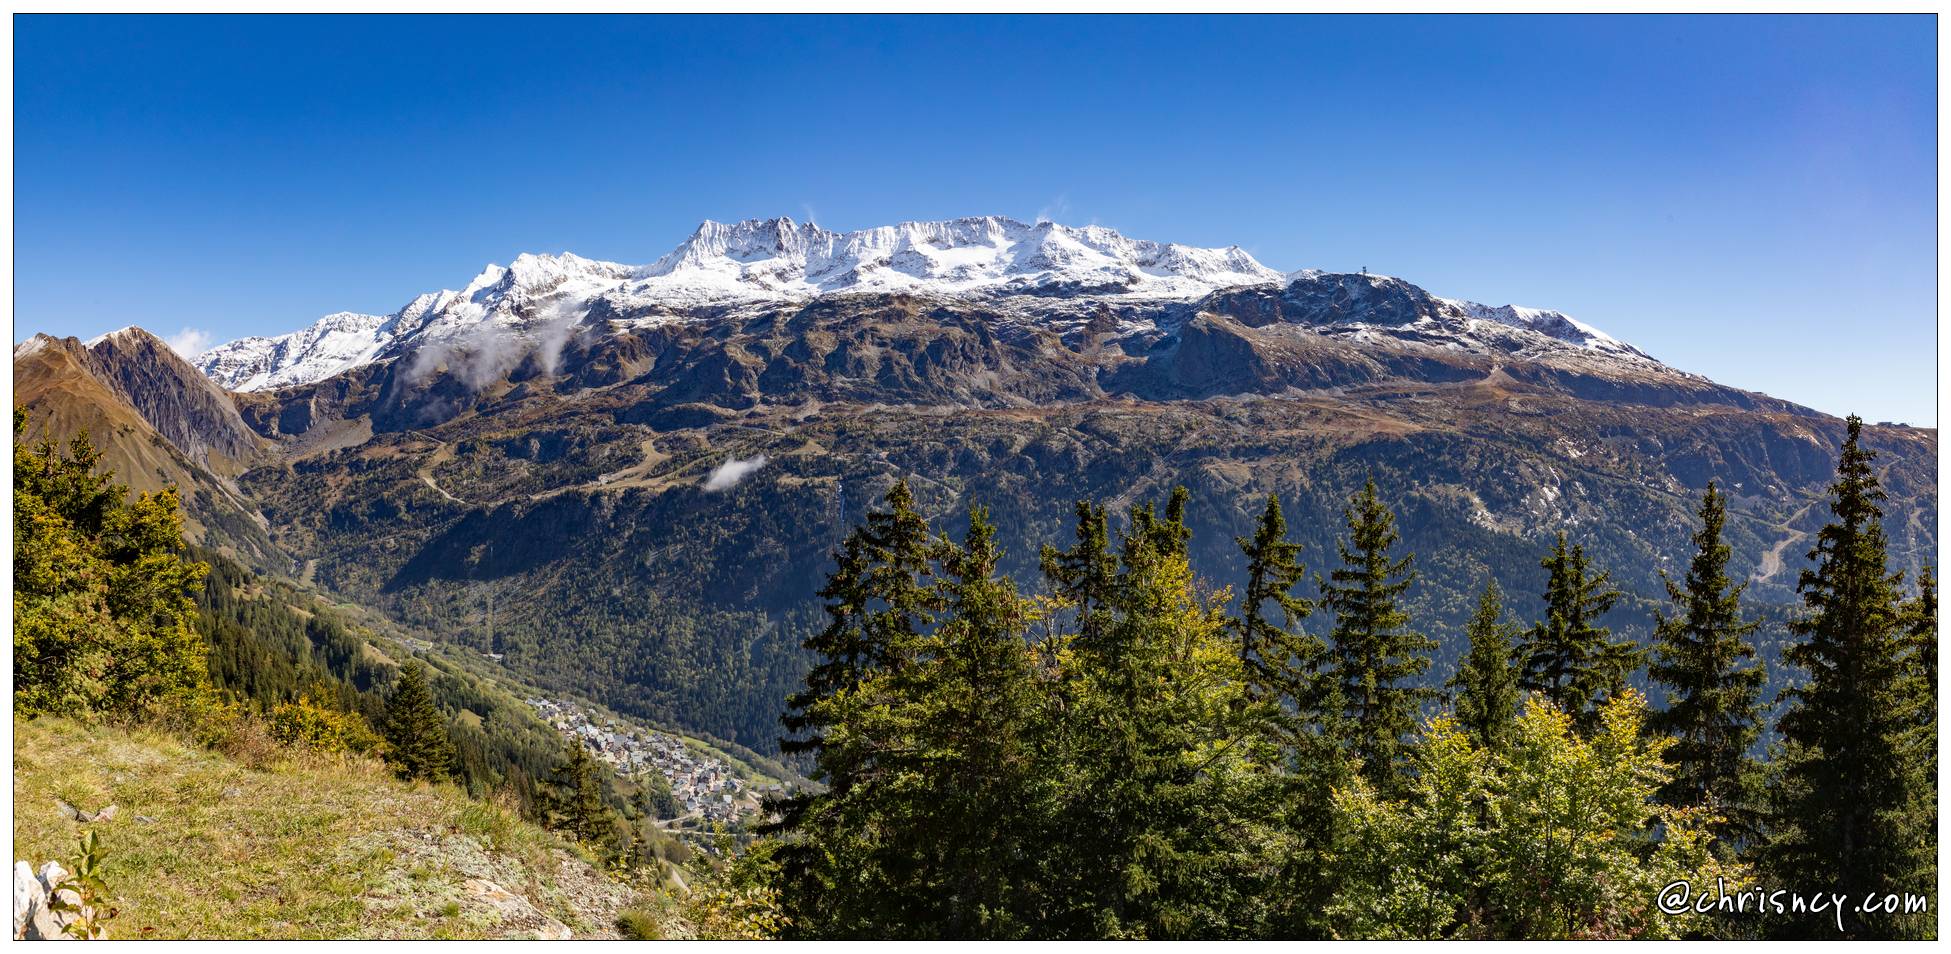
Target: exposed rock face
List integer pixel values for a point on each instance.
(29, 894)
(515, 912)
(174, 397)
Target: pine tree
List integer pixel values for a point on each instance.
(416, 736)
(1568, 658)
(1840, 817)
(1712, 705)
(1086, 575)
(1279, 661)
(1484, 689)
(1376, 656)
(1288, 676)
(879, 601)
(575, 798)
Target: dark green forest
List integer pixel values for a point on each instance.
(1139, 753)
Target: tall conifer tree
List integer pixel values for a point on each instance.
(1164, 820)
(1086, 575)
(1484, 688)
(1920, 691)
(1377, 657)
(879, 600)
(1568, 658)
(1713, 708)
(575, 799)
(981, 804)
(1841, 816)
(1279, 659)
(417, 742)
(1288, 675)
(881, 605)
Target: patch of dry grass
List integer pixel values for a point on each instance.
(206, 846)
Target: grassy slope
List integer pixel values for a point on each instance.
(315, 848)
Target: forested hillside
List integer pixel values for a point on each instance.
(1148, 754)
(134, 651)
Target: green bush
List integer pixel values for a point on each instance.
(307, 725)
(639, 925)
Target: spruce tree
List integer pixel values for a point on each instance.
(1376, 656)
(1713, 711)
(978, 704)
(416, 735)
(1163, 819)
(1568, 658)
(1278, 659)
(1920, 703)
(880, 599)
(882, 604)
(1288, 677)
(1484, 689)
(576, 797)
(1840, 819)
(1920, 671)
(1086, 575)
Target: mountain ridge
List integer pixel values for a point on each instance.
(538, 436)
(545, 298)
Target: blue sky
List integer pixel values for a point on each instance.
(1749, 198)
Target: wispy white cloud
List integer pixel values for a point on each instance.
(189, 342)
(727, 475)
(1057, 209)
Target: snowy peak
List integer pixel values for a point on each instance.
(546, 299)
(979, 255)
(756, 260)
(1555, 324)
(330, 345)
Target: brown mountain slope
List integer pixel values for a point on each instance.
(576, 494)
(69, 390)
(176, 399)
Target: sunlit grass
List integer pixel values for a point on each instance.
(303, 848)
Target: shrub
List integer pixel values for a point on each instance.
(307, 725)
(102, 588)
(636, 924)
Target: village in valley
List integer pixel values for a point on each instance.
(706, 789)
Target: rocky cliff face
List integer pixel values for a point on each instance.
(175, 398)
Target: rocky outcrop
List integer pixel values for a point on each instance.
(175, 398)
(45, 909)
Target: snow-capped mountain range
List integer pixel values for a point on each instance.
(764, 261)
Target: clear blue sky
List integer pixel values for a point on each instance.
(1745, 197)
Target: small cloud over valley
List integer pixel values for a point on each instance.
(727, 475)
